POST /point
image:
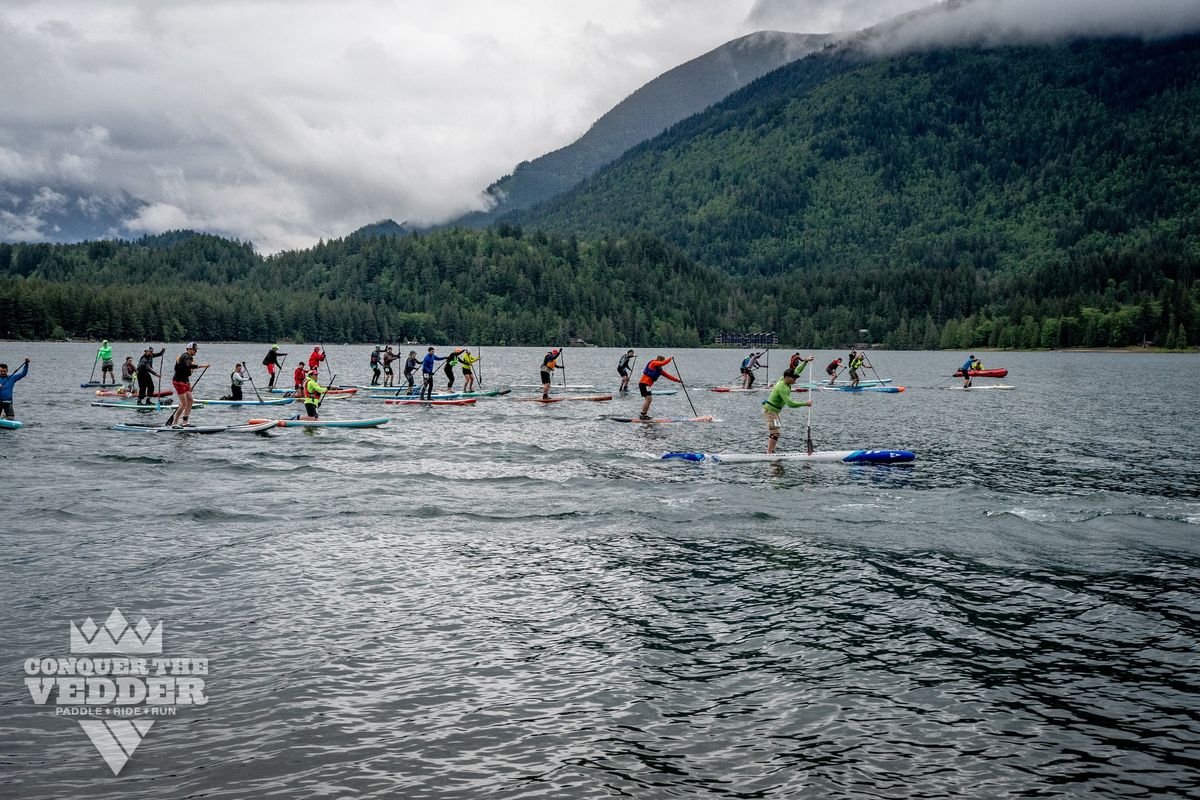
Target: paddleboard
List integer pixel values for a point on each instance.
(654, 392)
(984, 373)
(844, 456)
(554, 386)
(981, 386)
(470, 401)
(11, 424)
(326, 423)
(110, 393)
(739, 389)
(132, 404)
(884, 389)
(136, 428)
(331, 392)
(845, 382)
(594, 398)
(98, 385)
(404, 393)
(662, 420)
(283, 401)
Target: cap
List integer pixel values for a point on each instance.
(314, 372)
(788, 373)
(274, 347)
(192, 346)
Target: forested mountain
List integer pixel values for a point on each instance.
(1009, 197)
(669, 98)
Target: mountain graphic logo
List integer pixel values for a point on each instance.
(116, 739)
(116, 636)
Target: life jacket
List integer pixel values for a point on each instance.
(550, 361)
(746, 362)
(653, 370)
(837, 362)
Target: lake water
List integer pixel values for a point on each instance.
(513, 600)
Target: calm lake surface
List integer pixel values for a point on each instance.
(514, 600)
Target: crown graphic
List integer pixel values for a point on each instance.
(116, 636)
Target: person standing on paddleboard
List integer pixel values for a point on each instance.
(410, 366)
(389, 374)
(428, 365)
(832, 368)
(312, 392)
(6, 387)
(967, 366)
(104, 356)
(315, 358)
(181, 381)
(781, 397)
(272, 363)
(650, 374)
(128, 370)
(374, 364)
(549, 364)
(451, 361)
(857, 362)
(625, 370)
(467, 362)
(146, 375)
(749, 366)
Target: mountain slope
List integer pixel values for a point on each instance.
(1005, 160)
(674, 95)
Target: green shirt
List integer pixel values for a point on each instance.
(781, 396)
(104, 353)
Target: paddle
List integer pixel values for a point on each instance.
(92, 377)
(278, 371)
(768, 366)
(191, 387)
(321, 399)
(252, 386)
(328, 366)
(478, 369)
(562, 352)
(808, 425)
(685, 391)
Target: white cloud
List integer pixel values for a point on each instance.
(281, 121)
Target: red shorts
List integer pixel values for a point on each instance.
(270, 369)
(180, 387)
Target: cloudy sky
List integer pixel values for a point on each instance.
(284, 121)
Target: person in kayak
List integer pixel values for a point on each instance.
(273, 361)
(236, 379)
(312, 393)
(857, 362)
(652, 372)
(832, 369)
(467, 362)
(977, 365)
(104, 356)
(146, 375)
(625, 369)
(410, 366)
(181, 381)
(451, 362)
(966, 368)
(299, 376)
(389, 374)
(128, 371)
(549, 364)
(780, 398)
(6, 387)
(374, 364)
(428, 365)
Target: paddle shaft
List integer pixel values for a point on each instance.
(92, 377)
(321, 399)
(685, 391)
(252, 386)
(328, 366)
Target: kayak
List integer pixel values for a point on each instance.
(593, 397)
(11, 424)
(885, 389)
(984, 373)
(98, 385)
(844, 456)
(983, 386)
(470, 401)
(251, 427)
(111, 393)
(662, 420)
(133, 404)
(325, 423)
(283, 401)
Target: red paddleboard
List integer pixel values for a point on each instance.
(470, 401)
